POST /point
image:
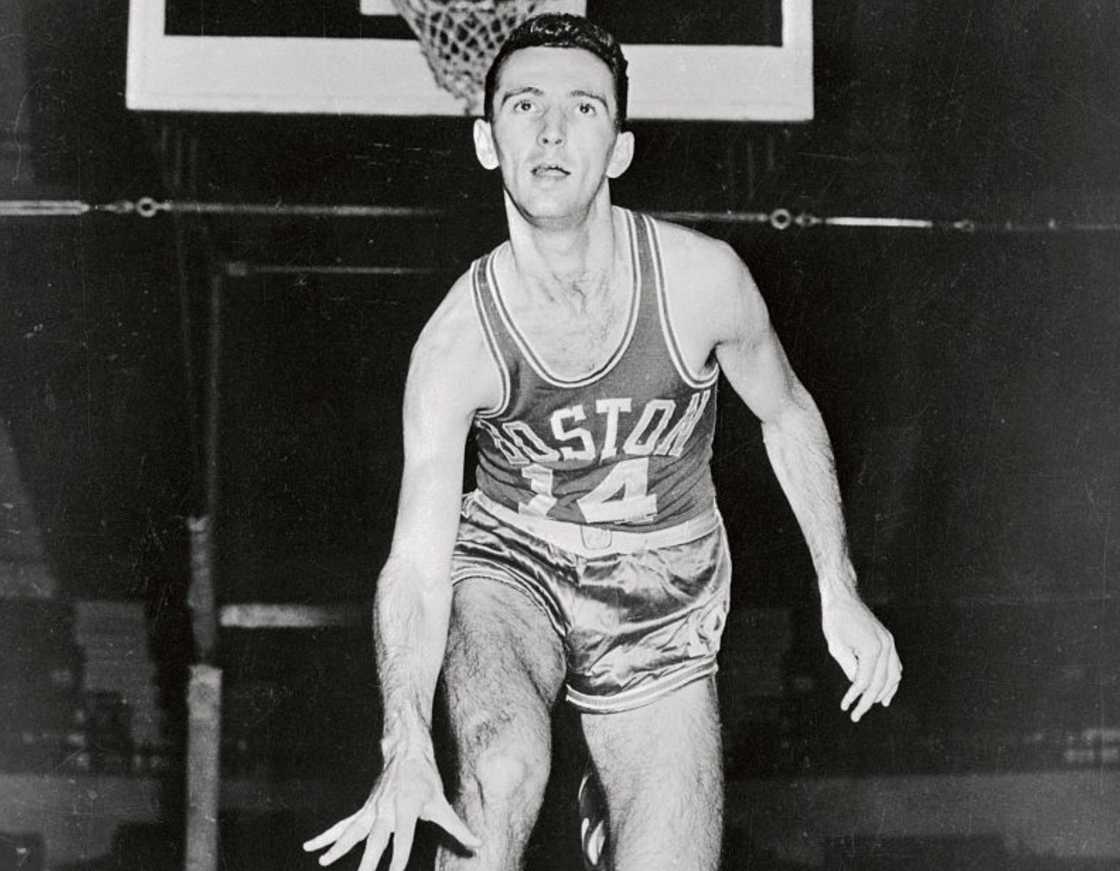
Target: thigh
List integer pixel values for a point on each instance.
(503, 668)
(661, 769)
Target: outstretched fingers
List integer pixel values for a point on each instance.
(361, 826)
(402, 845)
(329, 836)
(376, 843)
(377, 828)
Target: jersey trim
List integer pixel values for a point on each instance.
(536, 362)
(478, 281)
(587, 539)
(703, 379)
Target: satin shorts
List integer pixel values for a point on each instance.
(639, 614)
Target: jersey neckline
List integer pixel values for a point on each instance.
(535, 361)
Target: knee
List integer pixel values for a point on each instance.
(510, 775)
(505, 765)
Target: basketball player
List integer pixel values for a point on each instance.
(591, 561)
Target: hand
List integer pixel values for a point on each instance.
(407, 791)
(865, 651)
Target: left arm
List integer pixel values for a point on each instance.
(798, 446)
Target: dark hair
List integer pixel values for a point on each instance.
(559, 30)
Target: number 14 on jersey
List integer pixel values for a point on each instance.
(621, 497)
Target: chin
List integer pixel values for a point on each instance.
(549, 209)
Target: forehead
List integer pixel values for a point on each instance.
(556, 69)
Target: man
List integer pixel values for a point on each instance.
(584, 352)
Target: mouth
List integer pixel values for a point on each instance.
(550, 170)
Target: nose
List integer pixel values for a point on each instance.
(552, 129)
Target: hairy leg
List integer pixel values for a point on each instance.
(503, 670)
(661, 768)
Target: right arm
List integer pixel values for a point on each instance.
(412, 603)
(450, 377)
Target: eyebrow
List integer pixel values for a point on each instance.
(537, 92)
(527, 89)
(591, 95)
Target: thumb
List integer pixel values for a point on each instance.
(441, 813)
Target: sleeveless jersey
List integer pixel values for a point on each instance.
(627, 446)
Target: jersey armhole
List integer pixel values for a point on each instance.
(478, 277)
(710, 373)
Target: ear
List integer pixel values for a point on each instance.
(484, 148)
(621, 154)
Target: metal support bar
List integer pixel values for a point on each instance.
(777, 219)
(200, 595)
(204, 696)
(213, 394)
(241, 269)
(204, 703)
(280, 616)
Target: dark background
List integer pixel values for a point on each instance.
(968, 379)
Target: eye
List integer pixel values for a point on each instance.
(587, 108)
(524, 104)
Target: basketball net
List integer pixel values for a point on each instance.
(459, 38)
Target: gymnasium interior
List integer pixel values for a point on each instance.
(209, 288)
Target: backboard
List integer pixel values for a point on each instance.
(723, 59)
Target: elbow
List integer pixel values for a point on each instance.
(796, 417)
(791, 410)
(427, 585)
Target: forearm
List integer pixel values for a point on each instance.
(798, 446)
(410, 620)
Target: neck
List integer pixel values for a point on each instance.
(572, 259)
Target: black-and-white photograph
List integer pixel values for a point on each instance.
(562, 435)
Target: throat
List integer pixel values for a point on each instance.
(583, 295)
(571, 298)
(578, 335)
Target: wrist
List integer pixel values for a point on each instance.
(402, 746)
(837, 586)
(406, 736)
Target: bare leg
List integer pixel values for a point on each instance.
(661, 767)
(502, 673)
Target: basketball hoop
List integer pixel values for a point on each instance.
(459, 38)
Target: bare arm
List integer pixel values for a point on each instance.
(413, 599)
(447, 382)
(800, 452)
(796, 440)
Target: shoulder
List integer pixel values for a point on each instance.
(707, 281)
(684, 249)
(453, 326)
(450, 360)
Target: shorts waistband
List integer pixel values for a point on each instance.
(595, 540)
